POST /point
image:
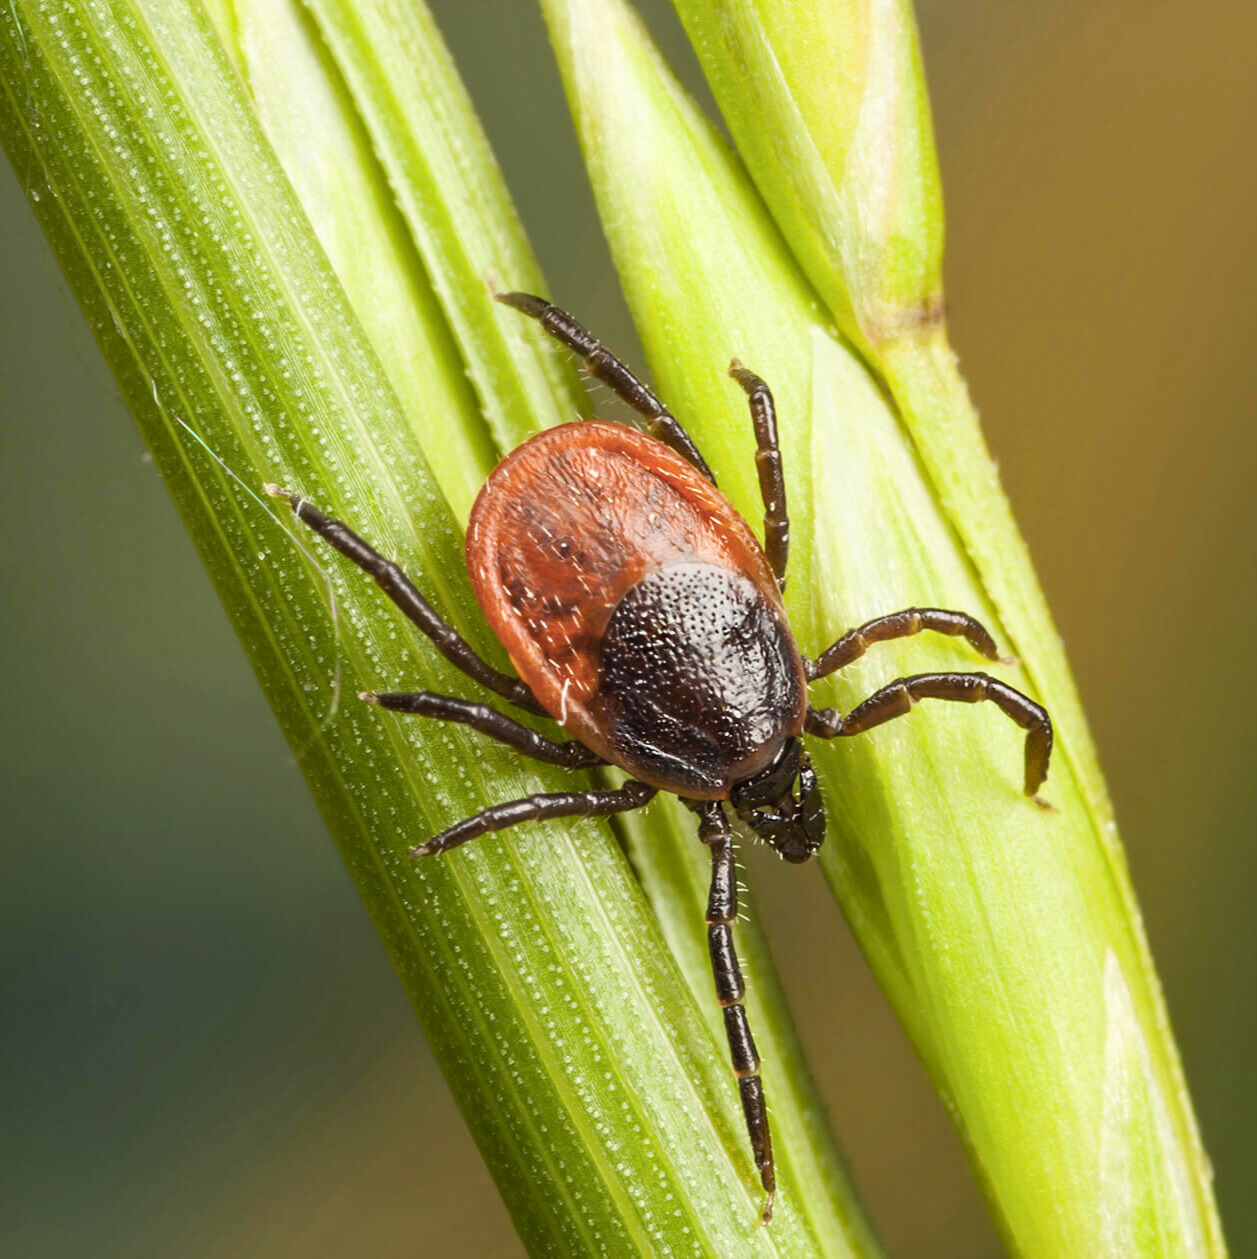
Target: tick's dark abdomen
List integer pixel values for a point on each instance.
(700, 681)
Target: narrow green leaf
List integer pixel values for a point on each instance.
(707, 278)
(451, 193)
(586, 1071)
(1005, 936)
(998, 932)
(310, 120)
(828, 106)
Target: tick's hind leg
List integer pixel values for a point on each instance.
(567, 752)
(772, 481)
(390, 578)
(968, 688)
(854, 643)
(538, 808)
(604, 366)
(722, 910)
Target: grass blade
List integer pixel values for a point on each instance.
(311, 121)
(460, 216)
(589, 1077)
(1006, 937)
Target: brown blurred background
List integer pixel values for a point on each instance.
(205, 1052)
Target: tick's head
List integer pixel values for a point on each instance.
(783, 803)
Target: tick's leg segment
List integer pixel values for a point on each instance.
(722, 910)
(390, 578)
(853, 644)
(569, 752)
(604, 366)
(498, 817)
(968, 688)
(772, 482)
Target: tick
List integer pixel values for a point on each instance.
(644, 617)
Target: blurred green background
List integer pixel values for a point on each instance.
(205, 1051)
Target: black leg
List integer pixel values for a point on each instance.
(967, 688)
(772, 481)
(604, 366)
(854, 643)
(722, 910)
(569, 752)
(498, 817)
(390, 578)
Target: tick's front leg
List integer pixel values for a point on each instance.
(722, 910)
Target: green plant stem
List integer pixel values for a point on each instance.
(922, 371)
(1006, 936)
(460, 215)
(591, 1080)
(311, 121)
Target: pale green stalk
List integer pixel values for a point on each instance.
(828, 106)
(308, 115)
(1006, 937)
(450, 191)
(589, 1071)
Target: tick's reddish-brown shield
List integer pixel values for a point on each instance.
(566, 525)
